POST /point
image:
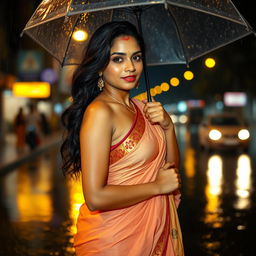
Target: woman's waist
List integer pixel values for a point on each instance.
(154, 207)
(149, 217)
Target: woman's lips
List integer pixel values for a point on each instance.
(129, 78)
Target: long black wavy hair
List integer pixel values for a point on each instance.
(84, 88)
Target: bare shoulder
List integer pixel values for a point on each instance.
(98, 113)
(99, 108)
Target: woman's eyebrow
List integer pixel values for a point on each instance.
(118, 53)
(122, 53)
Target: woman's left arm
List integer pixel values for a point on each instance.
(155, 113)
(173, 154)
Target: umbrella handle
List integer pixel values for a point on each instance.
(145, 68)
(138, 11)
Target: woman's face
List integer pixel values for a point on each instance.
(125, 65)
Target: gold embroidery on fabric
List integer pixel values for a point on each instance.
(160, 247)
(174, 233)
(131, 141)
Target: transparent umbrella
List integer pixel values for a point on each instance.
(175, 31)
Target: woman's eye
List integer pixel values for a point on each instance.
(137, 58)
(117, 59)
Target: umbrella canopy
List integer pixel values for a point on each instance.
(175, 31)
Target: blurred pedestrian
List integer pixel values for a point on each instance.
(33, 131)
(20, 129)
(126, 151)
(44, 124)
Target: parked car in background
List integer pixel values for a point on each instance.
(224, 130)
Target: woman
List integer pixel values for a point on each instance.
(20, 129)
(126, 151)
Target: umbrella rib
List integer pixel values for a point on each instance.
(41, 44)
(43, 22)
(69, 40)
(112, 7)
(249, 27)
(207, 12)
(222, 45)
(179, 35)
(68, 7)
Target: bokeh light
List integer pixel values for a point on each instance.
(153, 92)
(165, 87)
(158, 89)
(80, 35)
(210, 63)
(188, 75)
(174, 81)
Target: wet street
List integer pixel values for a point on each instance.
(38, 208)
(218, 209)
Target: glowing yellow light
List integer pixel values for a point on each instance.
(143, 96)
(174, 81)
(138, 97)
(80, 35)
(152, 92)
(165, 87)
(31, 89)
(158, 89)
(215, 134)
(34, 202)
(214, 174)
(210, 62)
(243, 182)
(190, 163)
(76, 200)
(188, 75)
(213, 190)
(243, 134)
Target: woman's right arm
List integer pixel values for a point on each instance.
(95, 142)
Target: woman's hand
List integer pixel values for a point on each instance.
(155, 113)
(168, 179)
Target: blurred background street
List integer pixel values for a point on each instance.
(38, 207)
(212, 103)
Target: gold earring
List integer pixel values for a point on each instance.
(101, 83)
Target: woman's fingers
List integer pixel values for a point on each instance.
(154, 111)
(168, 165)
(156, 114)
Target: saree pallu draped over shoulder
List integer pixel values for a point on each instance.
(148, 228)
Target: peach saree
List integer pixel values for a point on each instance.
(148, 228)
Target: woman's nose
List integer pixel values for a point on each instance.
(130, 66)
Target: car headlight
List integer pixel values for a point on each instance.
(215, 134)
(243, 134)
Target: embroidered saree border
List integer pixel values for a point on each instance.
(130, 142)
(160, 248)
(129, 132)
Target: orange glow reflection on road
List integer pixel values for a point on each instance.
(76, 200)
(190, 162)
(213, 190)
(189, 165)
(243, 182)
(34, 200)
